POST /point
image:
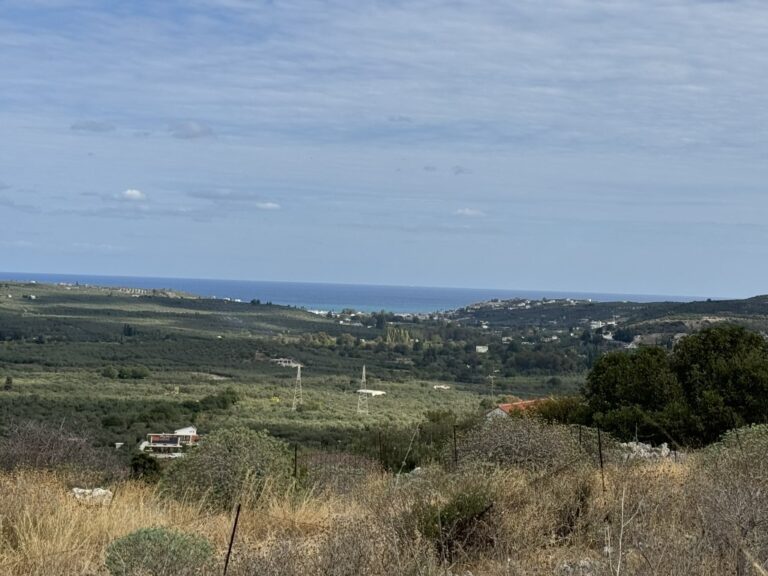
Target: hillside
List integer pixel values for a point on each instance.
(120, 363)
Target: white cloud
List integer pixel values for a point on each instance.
(267, 206)
(469, 212)
(133, 195)
(190, 130)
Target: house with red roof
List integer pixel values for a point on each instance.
(505, 410)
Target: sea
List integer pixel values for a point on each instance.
(331, 297)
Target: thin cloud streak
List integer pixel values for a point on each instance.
(600, 131)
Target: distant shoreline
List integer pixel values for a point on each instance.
(332, 297)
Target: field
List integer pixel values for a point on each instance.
(421, 484)
(65, 348)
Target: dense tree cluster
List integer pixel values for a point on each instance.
(710, 382)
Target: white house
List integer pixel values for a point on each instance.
(167, 445)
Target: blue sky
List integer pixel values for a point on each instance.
(587, 145)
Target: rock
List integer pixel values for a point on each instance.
(641, 451)
(584, 567)
(93, 497)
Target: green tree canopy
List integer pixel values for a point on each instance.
(642, 379)
(723, 372)
(712, 381)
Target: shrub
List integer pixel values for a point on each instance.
(732, 491)
(230, 464)
(220, 401)
(564, 410)
(145, 467)
(109, 372)
(135, 373)
(158, 552)
(524, 442)
(458, 524)
(30, 444)
(112, 421)
(354, 547)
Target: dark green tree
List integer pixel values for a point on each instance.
(714, 380)
(723, 372)
(628, 392)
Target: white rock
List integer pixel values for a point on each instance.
(94, 496)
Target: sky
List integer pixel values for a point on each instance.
(588, 145)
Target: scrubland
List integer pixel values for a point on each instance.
(523, 498)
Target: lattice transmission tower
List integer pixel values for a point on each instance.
(362, 396)
(298, 397)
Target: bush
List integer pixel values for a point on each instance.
(354, 547)
(158, 552)
(564, 410)
(29, 444)
(458, 524)
(145, 467)
(135, 373)
(220, 401)
(523, 442)
(109, 372)
(732, 491)
(228, 466)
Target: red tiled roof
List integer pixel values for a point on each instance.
(521, 405)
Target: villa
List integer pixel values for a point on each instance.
(170, 445)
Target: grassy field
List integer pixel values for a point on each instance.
(58, 342)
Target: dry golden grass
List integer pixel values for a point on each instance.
(45, 531)
(647, 521)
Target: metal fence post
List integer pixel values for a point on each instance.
(600, 452)
(232, 539)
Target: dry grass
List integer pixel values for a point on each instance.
(652, 519)
(44, 530)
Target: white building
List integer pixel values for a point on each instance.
(167, 445)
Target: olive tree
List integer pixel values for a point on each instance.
(229, 465)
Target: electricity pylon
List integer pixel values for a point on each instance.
(362, 397)
(298, 398)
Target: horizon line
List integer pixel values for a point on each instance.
(563, 293)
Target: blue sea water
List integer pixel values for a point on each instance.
(322, 296)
